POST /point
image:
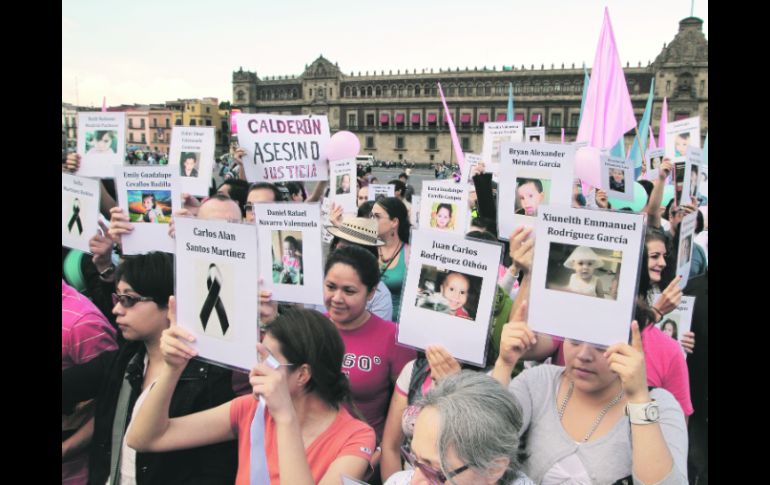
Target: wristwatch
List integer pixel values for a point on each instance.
(644, 413)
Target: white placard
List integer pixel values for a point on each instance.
(79, 211)
(471, 160)
(617, 177)
(290, 259)
(449, 294)
(684, 251)
(385, 190)
(680, 135)
(494, 135)
(445, 207)
(703, 185)
(284, 148)
(534, 134)
(148, 195)
(192, 153)
(654, 159)
(216, 289)
(101, 143)
(532, 174)
(578, 255)
(691, 180)
(414, 214)
(679, 321)
(343, 184)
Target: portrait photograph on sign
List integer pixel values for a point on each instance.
(101, 142)
(287, 257)
(530, 193)
(583, 270)
(449, 292)
(149, 206)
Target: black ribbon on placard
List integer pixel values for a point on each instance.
(75, 217)
(214, 284)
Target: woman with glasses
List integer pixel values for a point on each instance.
(467, 432)
(299, 435)
(121, 379)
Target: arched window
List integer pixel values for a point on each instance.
(417, 90)
(488, 89)
(517, 88)
(498, 89)
(479, 89)
(450, 90)
(471, 90)
(409, 90)
(426, 88)
(461, 90)
(347, 91)
(369, 91)
(547, 88)
(393, 91)
(241, 96)
(378, 91)
(355, 92)
(401, 91)
(557, 88)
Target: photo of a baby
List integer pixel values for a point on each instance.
(449, 292)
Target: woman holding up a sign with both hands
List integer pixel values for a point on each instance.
(593, 420)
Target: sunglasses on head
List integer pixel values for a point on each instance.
(127, 301)
(433, 475)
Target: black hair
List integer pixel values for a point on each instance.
(699, 223)
(672, 322)
(446, 206)
(267, 185)
(361, 260)
(525, 181)
(149, 194)
(150, 275)
(308, 337)
(400, 187)
(397, 210)
(239, 192)
(295, 188)
(292, 242)
(403, 174)
(365, 210)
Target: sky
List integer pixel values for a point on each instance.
(149, 51)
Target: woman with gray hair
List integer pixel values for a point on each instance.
(466, 433)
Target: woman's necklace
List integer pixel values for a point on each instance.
(386, 264)
(599, 418)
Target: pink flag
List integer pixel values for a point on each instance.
(663, 123)
(104, 104)
(452, 131)
(608, 112)
(653, 146)
(562, 136)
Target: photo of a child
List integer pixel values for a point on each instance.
(669, 327)
(681, 142)
(530, 193)
(188, 164)
(617, 180)
(449, 292)
(694, 180)
(149, 206)
(584, 270)
(443, 216)
(343, 184)
(101, 141)
(287, 257)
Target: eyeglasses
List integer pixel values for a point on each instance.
(273, 362)
(434, 476)
(127, 301)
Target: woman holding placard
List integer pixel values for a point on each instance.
(306, 436)
(393, 226)
(574, 416)
(373, 359)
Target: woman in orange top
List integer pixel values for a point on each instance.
(308, 437)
